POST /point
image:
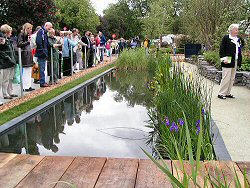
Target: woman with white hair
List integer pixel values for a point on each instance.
(7, 62)
(231, 57)
(23, 42)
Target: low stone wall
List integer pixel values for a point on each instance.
(212, 73)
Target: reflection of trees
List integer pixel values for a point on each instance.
(131, 86)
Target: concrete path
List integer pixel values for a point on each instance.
(231, 120)
(232, 117)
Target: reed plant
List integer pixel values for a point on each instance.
(136, 59)
(198, 176)
(177, 91)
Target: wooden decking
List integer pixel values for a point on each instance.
(85, 172)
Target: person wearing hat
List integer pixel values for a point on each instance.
(7, 62)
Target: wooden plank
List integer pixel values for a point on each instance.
(150, 176)
(16, 169)
(214, 170)
(245, 166)
(83, 172)
(47, 173)
(201, 177)
(118, 173)
(5, 158)
(218, 170)
(230, 169)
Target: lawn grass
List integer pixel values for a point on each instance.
(29, 105)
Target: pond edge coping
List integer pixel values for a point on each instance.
(35, 111)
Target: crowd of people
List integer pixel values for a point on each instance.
(42, 46)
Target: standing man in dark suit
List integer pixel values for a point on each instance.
(42, 51)
(86, 40)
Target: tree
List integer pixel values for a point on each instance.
(207, 21)
(78, 14)
(16, 12)
(140, 7)
(120, 19)
(159, 18)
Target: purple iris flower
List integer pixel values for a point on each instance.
(181, 122)
(198, 123)
(167, 122)
(174, 127)
(198, 129)
(203, 111)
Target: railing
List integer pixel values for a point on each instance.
(83, 66)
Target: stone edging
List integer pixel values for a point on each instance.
(212, 73)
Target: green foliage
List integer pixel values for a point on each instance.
(207, 21)
(158, 19)
(136, 59)
(178, 92)
(120, 19)
(78, 14)
(169, 50)
(16, 12)
(213, 58)
(245, 63)
(29, 105)
(180, 50)
(189, 178)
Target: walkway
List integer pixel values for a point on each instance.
(39, 91)
(39, 171)
(232, 119)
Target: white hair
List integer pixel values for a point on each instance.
(233, 26)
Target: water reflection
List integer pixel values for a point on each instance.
(105, 118)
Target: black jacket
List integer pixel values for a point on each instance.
(7, 55)
(24, 44)
(86, 41)
(228, 48)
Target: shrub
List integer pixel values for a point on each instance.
(180, 50)
(213, 58)
(169, 50)
(245, 63)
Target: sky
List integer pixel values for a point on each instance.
(100, 5)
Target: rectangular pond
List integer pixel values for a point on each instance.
(106, 118)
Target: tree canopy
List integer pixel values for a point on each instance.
(16, 12)
(120, 19)
(78, 14)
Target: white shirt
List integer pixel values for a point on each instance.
(235, 40)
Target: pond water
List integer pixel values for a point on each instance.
(106, 118)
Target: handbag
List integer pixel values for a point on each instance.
(16, 78)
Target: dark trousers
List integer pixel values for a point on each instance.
(60, 66)
(66, 66)
(91, 58)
